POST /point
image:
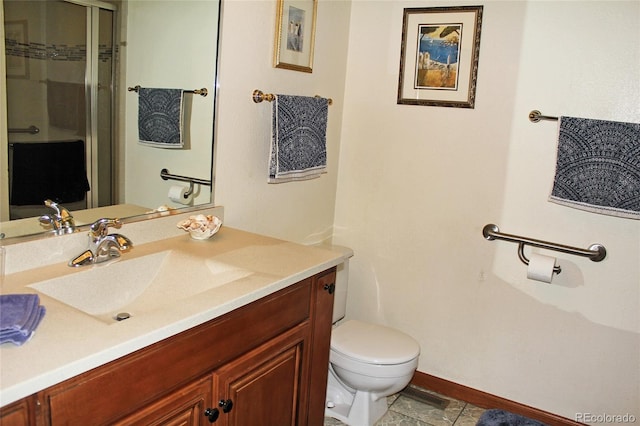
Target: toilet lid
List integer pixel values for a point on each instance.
(374, 344)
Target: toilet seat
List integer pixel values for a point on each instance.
(373, 344)
(376, 371)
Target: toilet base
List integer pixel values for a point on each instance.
(354, 408)
(363, 412)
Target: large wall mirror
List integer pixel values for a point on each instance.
(72, 131)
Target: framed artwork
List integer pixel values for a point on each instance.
(16, 45)
(439, 56)
(295, 35)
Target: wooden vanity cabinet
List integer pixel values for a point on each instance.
(265, 363)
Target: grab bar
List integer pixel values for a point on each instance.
(595, 252)
(31, 130)
(165, 175)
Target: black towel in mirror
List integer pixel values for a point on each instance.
(48, 170)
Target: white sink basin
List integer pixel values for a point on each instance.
(138, 285)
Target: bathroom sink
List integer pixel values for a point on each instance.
(140, 284)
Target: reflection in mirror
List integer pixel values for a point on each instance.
(72, 125)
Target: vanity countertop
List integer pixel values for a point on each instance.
(69, 342)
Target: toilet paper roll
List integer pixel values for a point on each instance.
(541, 268)
(177, 194)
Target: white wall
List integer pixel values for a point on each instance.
(417, 184)
(298, 211)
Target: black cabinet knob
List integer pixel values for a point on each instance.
(212, 414)
(330, 288)
(226, 405)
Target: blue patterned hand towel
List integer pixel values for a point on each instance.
(20, 314)
(298, 138)
(598, 167)
(160, 117)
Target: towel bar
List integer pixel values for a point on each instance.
(595, 252)
(535, 116)
(258, 96)
(202, 92)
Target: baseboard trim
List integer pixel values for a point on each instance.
(486, 400)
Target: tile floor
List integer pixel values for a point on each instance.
(405, 411)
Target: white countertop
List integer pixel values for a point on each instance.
(69, 342)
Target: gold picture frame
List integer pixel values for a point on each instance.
(439, 56)
(295, 35)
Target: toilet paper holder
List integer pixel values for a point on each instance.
(595, 252)
(556, 269)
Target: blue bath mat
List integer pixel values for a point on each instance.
(505, 418)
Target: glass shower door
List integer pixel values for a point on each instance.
(59, 72)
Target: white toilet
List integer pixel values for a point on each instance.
(367, 363)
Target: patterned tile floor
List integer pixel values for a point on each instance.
(404, 411)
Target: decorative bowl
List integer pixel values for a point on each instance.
(201, 227)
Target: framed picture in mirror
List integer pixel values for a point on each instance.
(17, 48)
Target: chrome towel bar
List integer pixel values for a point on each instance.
(31, 130)
(595, 252)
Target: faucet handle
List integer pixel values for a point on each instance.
(61, 212)
(100, 227)
(53, 205)
(61, 222)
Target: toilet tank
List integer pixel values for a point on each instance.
(342, 283)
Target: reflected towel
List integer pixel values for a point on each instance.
(66, 105)
(298, 138)
(20, 315)
(160, 114)
(48, 170)
(598, 166)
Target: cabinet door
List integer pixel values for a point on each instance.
(19, 413)
(264, 387)
(184, 407)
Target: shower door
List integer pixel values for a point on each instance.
(59, 80)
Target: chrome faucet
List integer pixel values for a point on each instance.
(61, 220)
(102, 245)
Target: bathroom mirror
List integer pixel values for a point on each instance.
(70, 94)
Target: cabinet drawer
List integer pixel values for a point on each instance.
(97, 397)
